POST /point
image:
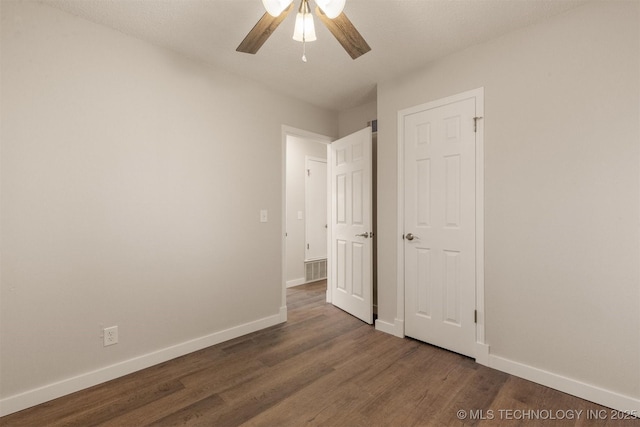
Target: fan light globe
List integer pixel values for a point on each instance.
(275, 7)
(331, 8)
(304, 29)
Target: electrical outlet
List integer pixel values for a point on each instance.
(110, 335)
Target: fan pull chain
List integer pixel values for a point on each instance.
(304, 38)
(304, 51)
(305, 6)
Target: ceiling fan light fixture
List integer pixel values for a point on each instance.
(304, 30)
(328, 11)
(331, 8)
(275, 7)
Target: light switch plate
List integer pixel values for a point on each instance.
(263, 215)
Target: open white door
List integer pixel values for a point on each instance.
(350, 160)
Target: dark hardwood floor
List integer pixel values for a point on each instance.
(322, 367)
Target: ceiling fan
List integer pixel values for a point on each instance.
(330, 13)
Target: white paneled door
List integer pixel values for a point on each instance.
(351, 224)
(440, 225)
(315, 205)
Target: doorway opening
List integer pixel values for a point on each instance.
(335, 239)
(304, 249)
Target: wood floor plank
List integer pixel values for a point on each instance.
(199, 385)
(303, 343)
(246, 400)
(401, 389)
(161, 408)
(314, 404)
(195, 414)
(128, 402)
(272, 337)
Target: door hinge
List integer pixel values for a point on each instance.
(475, 123)
(307, 246)
(475, 316)
(308, 172)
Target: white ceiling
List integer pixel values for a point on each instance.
(404, 35)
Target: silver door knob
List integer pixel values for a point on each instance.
(365, 235)
(410, 236)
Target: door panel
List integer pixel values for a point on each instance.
(351, 224)
(439, 147)
(316, 209)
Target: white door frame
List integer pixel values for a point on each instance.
(300, 133)
(482, 350)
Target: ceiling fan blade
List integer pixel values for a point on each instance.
(344, 31)
(261, 32)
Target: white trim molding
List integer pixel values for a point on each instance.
(282, 316)
(52, 391)
(296, 282)
(601, 396)
(396, 328)
(482, 354)
(329, 295)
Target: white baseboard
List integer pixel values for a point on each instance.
(282, 316)
(52, 391)
(571, 386)
(482, 354)
(396, 328)
(296, 282)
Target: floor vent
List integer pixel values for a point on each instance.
(315, 270)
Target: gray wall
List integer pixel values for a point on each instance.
(132, 181)
(355, 119)
(562, 193)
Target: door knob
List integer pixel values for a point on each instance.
(410, 236)
(365, 235)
